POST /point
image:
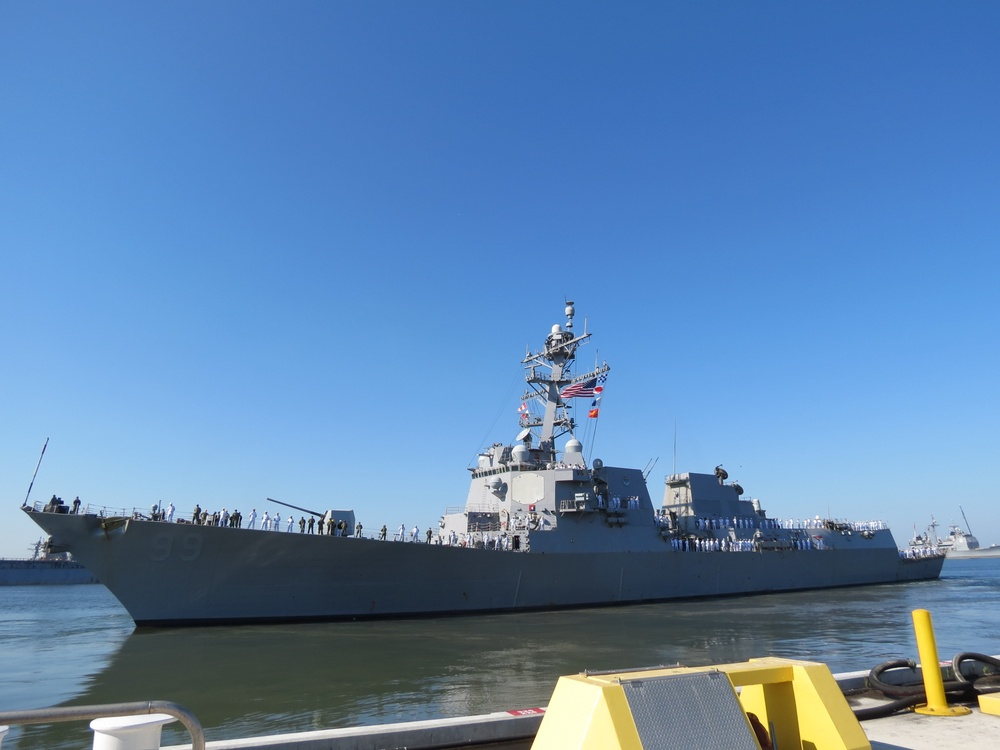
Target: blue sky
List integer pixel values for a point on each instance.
(297, 250)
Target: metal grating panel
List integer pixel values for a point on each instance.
(688, 710)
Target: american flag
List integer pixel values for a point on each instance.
(585, 388)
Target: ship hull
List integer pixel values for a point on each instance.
(183, 574)
(973, 554)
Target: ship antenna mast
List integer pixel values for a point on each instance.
(650, 465)
(965, 519)
(675, 448)
(36, 473)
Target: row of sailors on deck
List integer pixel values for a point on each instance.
(912, 553)
(754, 522)
(333, 527)
(324, 524)
(711, 524)
(201, 517)
(632, 503)
(738, 522)
(820, 523)
(500, 542)
(736, 545)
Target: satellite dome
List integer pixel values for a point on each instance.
(557, 328)
(573, 446)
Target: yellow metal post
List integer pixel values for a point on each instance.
(937, 704)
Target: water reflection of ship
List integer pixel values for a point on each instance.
(313, 676)
(249, 681)
(960, 543)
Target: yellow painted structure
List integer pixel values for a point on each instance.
(798, 701)
(587, 713)
(989, 703)
(937, 704)
(803, 703)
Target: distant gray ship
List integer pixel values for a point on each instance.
(43, 569)
(541, 529)
(959, 544)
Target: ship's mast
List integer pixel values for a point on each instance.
(965, 519)
(557, 355)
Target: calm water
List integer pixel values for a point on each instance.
(74, 645)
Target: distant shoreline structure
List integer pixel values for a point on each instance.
(43, 572)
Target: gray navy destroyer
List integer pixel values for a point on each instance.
(541, 528)
(959, 544)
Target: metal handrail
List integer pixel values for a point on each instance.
(83, 713)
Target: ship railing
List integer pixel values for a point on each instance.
(486, 508)
(832, 524)
(90, 509)
(916, 553)
(577, 506)
(485, 526)
(508, 467)
(109, 710)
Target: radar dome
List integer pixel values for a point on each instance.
(557, 328)
(598, 464)
(573, 446)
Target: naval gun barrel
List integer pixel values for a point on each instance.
(289, 505)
